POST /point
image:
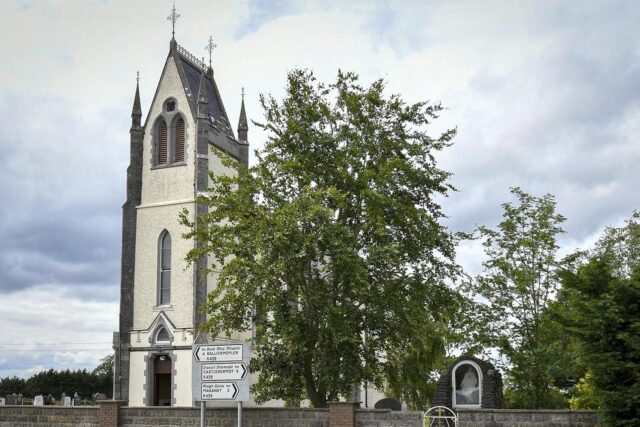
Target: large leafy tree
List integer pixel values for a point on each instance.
(518, 282)
(332, 244)
(601, 309)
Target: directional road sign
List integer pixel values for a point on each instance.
(219, 391)
(223, 371)
(220, 372)
(219, 353)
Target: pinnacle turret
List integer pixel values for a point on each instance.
(203, 98)
(243, 127)
(136, 112)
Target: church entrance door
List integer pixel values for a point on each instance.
(162, 381)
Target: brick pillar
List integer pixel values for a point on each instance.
(342, 414)
(110, 412)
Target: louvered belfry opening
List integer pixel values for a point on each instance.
(179, 140)
(162, 143)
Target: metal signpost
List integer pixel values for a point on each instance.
(220, 373)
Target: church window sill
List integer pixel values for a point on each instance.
(169, 165)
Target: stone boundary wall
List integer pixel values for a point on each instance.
(49, 416)
(526, 418)
(115, 414)
(251, 417)
(387, 418)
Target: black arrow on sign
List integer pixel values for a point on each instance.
(236, 390)
(244, 371)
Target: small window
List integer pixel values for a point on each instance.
(164, 269)
(162, 336)
(171, 105)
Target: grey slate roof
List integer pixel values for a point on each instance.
(216, 107)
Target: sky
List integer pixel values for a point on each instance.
(545, 95)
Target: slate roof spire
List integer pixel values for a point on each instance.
(243, 127)
(203, 98)
(136, 112)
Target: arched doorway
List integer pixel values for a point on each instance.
(162, 381)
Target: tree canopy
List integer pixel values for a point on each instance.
(333, 243)
(519, 281)
(601, 309)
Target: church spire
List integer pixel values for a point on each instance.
(136, 113)
(243, 127)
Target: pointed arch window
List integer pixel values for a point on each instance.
(162, 143)
(179, 140)
(162, 337)
(164, 268)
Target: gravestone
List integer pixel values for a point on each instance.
(76, 400)
(11, 399)
(469, 383)
(38, 400)
(1, 401)
(66, 401)
(389, 403)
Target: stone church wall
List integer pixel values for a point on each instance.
(526, 418)
(49, 416)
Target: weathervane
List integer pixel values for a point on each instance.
(209, 47)
(173, 18)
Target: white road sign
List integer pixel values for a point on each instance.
(220, 372)
(219, 391)
(219, 353)
(223, 371)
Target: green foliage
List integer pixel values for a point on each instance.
(584, 396)
(602, 311)
(64, 381)
(105, 368)
(332, 244)
(10, 385)
(519, 280)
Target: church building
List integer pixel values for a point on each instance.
(171, 156)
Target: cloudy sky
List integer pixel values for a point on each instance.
(545, 96)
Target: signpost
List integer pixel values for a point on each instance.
(220, 374)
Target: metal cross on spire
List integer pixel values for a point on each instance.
(209, 47)
(243, 93)
(173, 17)
(138, 77)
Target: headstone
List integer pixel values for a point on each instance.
(1, 401)
(11, 399)
(38, 400)
(66, 401)
(76, 400)
(389, 403)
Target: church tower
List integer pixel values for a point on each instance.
(171, 155)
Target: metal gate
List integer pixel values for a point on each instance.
(440, 416)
